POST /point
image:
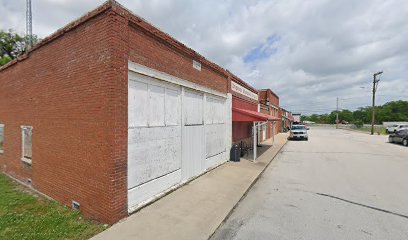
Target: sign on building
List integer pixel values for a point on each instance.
(244, 91)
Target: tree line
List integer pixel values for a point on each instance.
(394, 111)
(12, 45)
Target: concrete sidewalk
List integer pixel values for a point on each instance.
(195, 210)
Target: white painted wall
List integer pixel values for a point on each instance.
(176, 131)
(193, 108)
(154, 137)
(153, 152)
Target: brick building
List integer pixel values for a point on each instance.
(287, 119)
(110, 113)
(269, 104)
(102, 113)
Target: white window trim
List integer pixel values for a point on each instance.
(140, 69)
(26, 160)
(2, 150)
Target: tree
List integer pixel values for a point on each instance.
(346, 115)
(389, 112)
(12, 45)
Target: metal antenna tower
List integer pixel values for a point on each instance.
(29, 26)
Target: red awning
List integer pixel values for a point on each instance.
(243, 115)
(291, 118)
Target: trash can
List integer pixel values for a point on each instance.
(235, 153)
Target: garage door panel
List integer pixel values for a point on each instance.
(215, 139)
(153, 152)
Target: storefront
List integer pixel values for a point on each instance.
(247, 120)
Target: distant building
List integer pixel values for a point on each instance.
(287, 119)
(296, 117)
(269, 104)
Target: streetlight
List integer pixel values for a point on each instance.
(375, 84)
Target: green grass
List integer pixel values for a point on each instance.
(24, 215)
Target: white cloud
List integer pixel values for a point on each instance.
(325, 48)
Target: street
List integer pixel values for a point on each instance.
(338, 185)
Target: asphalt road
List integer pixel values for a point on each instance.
(338, 185)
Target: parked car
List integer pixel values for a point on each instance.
(401, 136)
(396, 127)
(298, 132)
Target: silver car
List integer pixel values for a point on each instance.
(396, 127)
(299, 132)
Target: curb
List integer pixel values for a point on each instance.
(249, 188)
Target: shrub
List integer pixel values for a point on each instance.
(358, 124)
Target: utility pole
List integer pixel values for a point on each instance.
(29, 26)
(375, 84)
(337, 113)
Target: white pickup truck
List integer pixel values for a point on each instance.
(394, 128)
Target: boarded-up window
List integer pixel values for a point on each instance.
(172, 107)
(215, 111)
(1, 138)
(153, 104)
(156, 106)
(27, 142)
(138, 99)
(193, 108)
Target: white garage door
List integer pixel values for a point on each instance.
(174, 133)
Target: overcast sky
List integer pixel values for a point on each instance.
(308, 52)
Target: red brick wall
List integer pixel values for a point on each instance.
(73, 92)
(265, 94)
(118, 113)
(239, 103)
(148, 51)
(262, 96)
(241, 131)
(273, 99)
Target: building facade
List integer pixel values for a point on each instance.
(244, 97)
(287, 119)
(269, 104)
(109, 113)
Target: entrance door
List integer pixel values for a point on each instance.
(193, 154)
